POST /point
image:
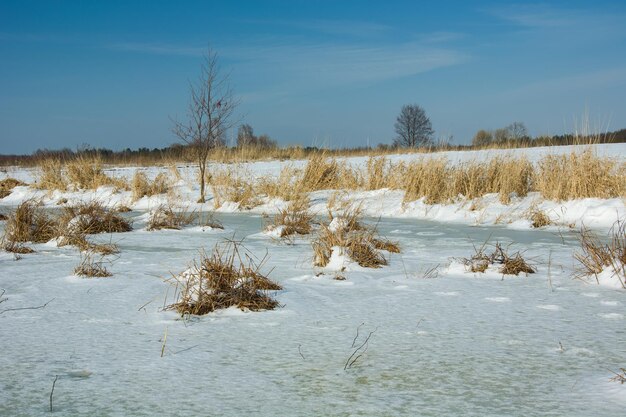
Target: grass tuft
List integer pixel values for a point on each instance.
(28, 223)
(92, 218)
(141, 186)
(89, 267)
(7, 185)
(295, 219)
(165, 217)
(347, 234)
(226, 278)
(513, 264)
(597, 255)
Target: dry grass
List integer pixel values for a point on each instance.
(51, 175)
(439, 182)
(81, 242)
(82, 173)
(324, 173)
(226, 278)
(598, 255)
(538, 218)
(28, 223)
(580, 175)
(295, 219)
(165, 217)
(284, 187)
(7, 185)
(619, 376)
(3, 217)
(89, 267)
(123, 209)
(513, 264)
(141, 186)
(234, 187)
(348, 234)
(91, 218)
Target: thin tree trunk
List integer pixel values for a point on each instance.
(202, 166)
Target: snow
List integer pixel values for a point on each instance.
(460, 343)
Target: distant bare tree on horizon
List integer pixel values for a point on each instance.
(210, 111)
(413, 127)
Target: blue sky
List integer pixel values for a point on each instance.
(335, 73)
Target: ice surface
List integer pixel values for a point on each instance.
(456, 344)
(444, 343)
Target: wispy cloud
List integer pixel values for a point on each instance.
(314, 66)
(542, 16)
(341, 27)
(158, 48)
(574, 84)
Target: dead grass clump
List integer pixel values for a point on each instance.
(323, 173)
(92, 218)
(29, 223)
(295, 219)
(123, 209)
(580, 175)
(141, 186)
(7, 185)
(598, 255)
(81, 242)
(428, 178)
(165, 217)
(88, 267)
(320, 173)
(539, 218)
(619, 376)
(226, 278)
(51, 175)
(377, 173)
(209, 220)
(348, 235)
(510, 264)
(284, 187)
(86, 173)
(18, 248)
(230, 186)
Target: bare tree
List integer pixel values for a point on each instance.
(517, 131)
(211, 106)
(245, 136)
(482, 138)
(413, 127)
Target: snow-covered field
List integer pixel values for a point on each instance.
(445, 341)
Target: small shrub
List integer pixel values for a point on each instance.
(226, 278)
(7, 185)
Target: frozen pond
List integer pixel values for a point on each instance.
(452, 343)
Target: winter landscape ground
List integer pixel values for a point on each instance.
(425, 333)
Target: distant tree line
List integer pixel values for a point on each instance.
(182, 152)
